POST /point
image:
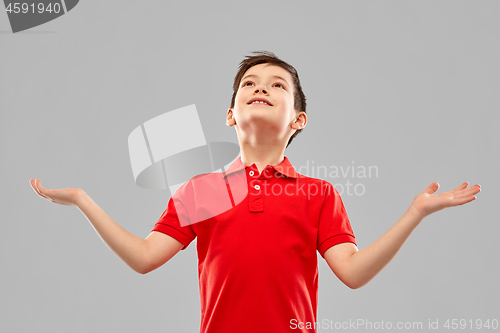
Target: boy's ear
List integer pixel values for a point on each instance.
(300, 121)
(230, 121)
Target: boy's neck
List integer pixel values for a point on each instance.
(262, 156)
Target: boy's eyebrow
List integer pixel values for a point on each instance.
(275, 76)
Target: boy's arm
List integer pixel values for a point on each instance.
(161, 248)
(142, 255)
(356, 268)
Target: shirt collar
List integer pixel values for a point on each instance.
(285, 167)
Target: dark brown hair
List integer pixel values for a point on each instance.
(262, 57)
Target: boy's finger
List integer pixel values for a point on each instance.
(33, 186)
(461, 187)
(467, 200)
(465, 193)
(39, 189)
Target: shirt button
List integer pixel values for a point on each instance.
(257, 187)
(251, 173)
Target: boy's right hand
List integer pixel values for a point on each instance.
(65, 196)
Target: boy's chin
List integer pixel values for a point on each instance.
(261, 125)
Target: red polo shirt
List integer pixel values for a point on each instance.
(257, 240)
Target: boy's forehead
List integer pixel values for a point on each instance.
(269, 69)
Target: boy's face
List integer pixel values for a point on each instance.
(267, 123)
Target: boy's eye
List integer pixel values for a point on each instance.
(247, 82)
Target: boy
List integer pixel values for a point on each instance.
(257, 256)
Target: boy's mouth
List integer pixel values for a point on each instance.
(261, 101)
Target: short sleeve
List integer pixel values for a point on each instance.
(334, 226)
(170, 222)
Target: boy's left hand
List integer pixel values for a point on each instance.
(427, 202)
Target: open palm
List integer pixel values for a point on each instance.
(427, 202)
(65, 196)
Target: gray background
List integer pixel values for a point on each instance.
(408, 86)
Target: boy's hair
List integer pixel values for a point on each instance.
(262, 57)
